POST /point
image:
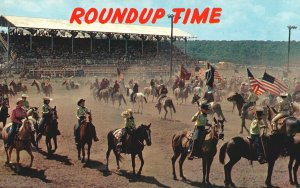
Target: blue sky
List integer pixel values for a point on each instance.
(240, 19)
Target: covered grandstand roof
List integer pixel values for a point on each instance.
(53, 24)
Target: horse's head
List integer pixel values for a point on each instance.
(53, 113)
(12, 83)
(218, 128)
(26, 130)
(145, 133)
(33, 83)
(195, 98)
(33, 111)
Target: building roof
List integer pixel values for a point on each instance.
(53, 24)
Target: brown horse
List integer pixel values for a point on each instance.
(181, 142)
(134, 145)
(239, 101)
(85, 137)
(117, 97)
(18, 87)
(166, 103)
(34, 83)
(51, 130)
(151, 91)
(104, 94)
(22, 141)
(239, 147)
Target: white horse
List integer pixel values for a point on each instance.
(197, 90)
(139, 98)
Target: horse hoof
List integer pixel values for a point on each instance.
(291, 182)
(79, 158)
(175, 178)
(183, 178)
(82, 160)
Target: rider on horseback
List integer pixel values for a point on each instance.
(201, 121)
(252, 98)
(25, 103)
(181, 84)
(152, 83)
(135, 90)
(163, 93)
(283, 110)
(81, 111)
(244, 89)
(129, 128)
(16, 117)
(116, 88)
(46, 109)
(255, 127)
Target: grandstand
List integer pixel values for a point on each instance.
(56, 47)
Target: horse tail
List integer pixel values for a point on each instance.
(173, 106)
(222, 153)
(145, 99)
(124, 99)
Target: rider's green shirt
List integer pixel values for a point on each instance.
(46, 109)
(129, 123)
(200, 119)
(255, 127)
(252, 97)
(81, 111)
(25, 104)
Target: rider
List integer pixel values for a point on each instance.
(102, 85)
(81, 111)
(45, 115)
(283, 110)
(163, 93)
(209, 96)
(129, 127)
(181, 84)
(255, 127)
(152, 83)
(16, 117)
(252, 98)
(201, 121)
(3, 112)
(135, 90)
(116, 88)
(25, 103)
(243, 89)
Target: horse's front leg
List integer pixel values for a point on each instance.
(133, 163)
(18, 160)
(142, 163)
(290, 166)
(9, 154)
(83, 153)
(89, 151)
(48, 144)
(55, 144)
(28, 149)
(270, 171)
(295, 169)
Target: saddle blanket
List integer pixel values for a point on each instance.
(118, 133)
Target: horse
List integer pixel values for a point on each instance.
(214, 107)
(180, 145)
(117, 96)
(104, 93)
(151, 91)
(34, 83)
(239, 101)
(239, 147)
(85, 137)
(166, 103)
(183, 94)
(139, 97)
(50, 131)
(18, 87)
(134, 145)
(22, 141)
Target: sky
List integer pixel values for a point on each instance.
(240, 19)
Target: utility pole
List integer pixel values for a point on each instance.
(290, 27)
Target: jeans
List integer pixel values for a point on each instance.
(255, 139)
(12, 132)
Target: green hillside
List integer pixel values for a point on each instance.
(243, 52)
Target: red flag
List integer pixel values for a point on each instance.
(120, 75)
(217, 75)
(184, 74)
(255, 85)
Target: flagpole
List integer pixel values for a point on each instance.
(8, 45)
(171, 45)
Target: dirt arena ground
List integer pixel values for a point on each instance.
(64, 170)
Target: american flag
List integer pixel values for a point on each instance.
(217, 75)
(273, 85)
(255, 85)
(120, 75)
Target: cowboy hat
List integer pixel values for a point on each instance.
(47, 99)
(24, 96)
(80, 101)
(284, 94)
(259, 112)
(19, 100)
(126, 113)
(204, 106)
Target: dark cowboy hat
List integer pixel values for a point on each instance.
(204, 106)
(80, 101)
(259, 112)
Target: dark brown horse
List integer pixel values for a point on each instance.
(134, 145)
(50, 131)
(180, 145)
(47, 88)
(34, 83)
(239, 101)
(85, 137)
(239, 147)
(18, 87)
(117, 97)
(166, 103)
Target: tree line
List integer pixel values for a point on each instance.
(243, 52)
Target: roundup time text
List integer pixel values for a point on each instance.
(144, 16)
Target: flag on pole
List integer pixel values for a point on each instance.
(184, 74)
(217, 76)
(273, 85)
(255, 85)
(120, 76)
(209, 75)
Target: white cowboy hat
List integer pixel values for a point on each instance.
(19, 100)
(284, 94)
(47, 99)
(24, 96)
